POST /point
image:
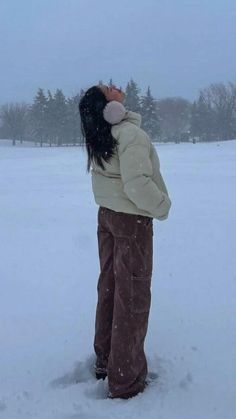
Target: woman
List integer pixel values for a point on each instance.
(130, 192)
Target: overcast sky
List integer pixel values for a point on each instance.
(175, 46)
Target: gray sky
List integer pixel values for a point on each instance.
(175, 46)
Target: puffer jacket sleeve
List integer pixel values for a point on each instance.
(137, 171)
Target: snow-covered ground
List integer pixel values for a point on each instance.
(48, 274)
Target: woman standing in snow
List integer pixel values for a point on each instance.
(130, 192)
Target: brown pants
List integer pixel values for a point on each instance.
(125, 250)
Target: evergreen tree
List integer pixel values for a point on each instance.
(51, 119)
(80, 95)
(60, 115)
(150, 120)
(132, 99)
(73, 120)
(38, 115)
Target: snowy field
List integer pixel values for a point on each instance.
(48, 274)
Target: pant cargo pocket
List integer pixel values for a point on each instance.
(140, 294)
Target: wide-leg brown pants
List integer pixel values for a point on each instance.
(126, 253)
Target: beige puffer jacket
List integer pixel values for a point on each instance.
(132, 182)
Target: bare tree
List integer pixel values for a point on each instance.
(216, 112)
(174, 114)
(14, 120)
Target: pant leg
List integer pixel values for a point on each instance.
(105, 289)
(133, 252)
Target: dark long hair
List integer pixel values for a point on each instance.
(99, 142)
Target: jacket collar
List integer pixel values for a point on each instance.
(133, 117)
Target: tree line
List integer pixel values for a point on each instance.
(53, 118)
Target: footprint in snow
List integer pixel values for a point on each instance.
(81, 373)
